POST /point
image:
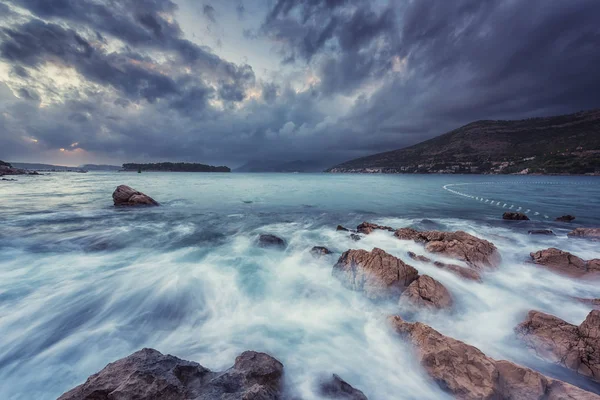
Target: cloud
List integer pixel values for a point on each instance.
(209, 12)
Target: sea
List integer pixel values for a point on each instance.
(83, 283)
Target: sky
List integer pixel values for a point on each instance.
(230, 81)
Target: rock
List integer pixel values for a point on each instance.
(354, 237)
(377, 274)
(478, 253)
(566, 218)
(468, 374)
(426, 292)
(9, 170)
(515, 216)
(7, 179)
(541, 232)
(557, 341)
(341, 228)
(565, 262)
(595, 303)
(148, 374)
(367, 227)
(585, 233)
(455, 269)
(319, 251)
(268, 240)
(126, 196)
(337, 388)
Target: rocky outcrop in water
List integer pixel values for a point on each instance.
(541, 232)
(271, 241)
(355, 237)
(319, 251)
(341, 228)
(566, 218)
(463, 272)
(565, 262)
(515, 216)
(337, 388)
(468, 374)
(148, 374)
(426, 292)
(557, 341)
(126, 196)
(377, 274)
(477, 253)
(585, 233)
(367, 227)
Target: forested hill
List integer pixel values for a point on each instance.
(566, 144)
(175, 167)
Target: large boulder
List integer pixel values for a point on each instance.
(585, 233)
(377, 274)
(515, 216)
(463, 272)
(267, 240)
(468, 374)
(477, 253)
(565, 262)
(426, 292)
(126, 196)
(148, 374)
(557, 341)
(337, 388)
(367, 227)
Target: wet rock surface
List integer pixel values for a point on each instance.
(541, 232)
(585, 233)
(426, 292)
(467, 373)
(337, 388)
(515, 216)
(565, 262)
(367, 227)
(148, 374)
(463, 272)
(477, 253)
(557, 341)
(354, 237)
(271, 241)
(341, 228)
(377, 274)
(126, 196)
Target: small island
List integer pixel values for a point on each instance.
(174, 167)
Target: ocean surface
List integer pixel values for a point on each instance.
(83, 284)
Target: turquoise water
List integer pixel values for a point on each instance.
(83, 284)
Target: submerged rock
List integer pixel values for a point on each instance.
(557, 341)
(565, 218)
(585, 233)
(341, 228)
(148, 374)
(467, 373)
(478, 253)
(541, 232)
(515, 216)
(428, 293)
(565, 262)
(377, 274)
(354, 237)
(367, 227)
(126, 196)
(337, 388)
(319, 251)
(268, 240)
(455, 269)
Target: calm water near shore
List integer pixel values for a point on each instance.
(83, 284)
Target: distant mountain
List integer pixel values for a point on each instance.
(566, 144)
(175, 167)
(100, 167)
(44, 167)
(282, 166)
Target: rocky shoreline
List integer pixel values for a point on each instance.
(456, 367)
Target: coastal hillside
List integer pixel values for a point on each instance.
(566, 144)
(175, 167)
